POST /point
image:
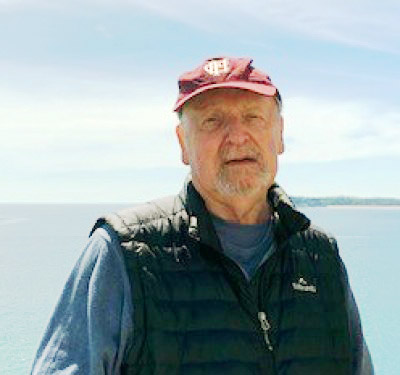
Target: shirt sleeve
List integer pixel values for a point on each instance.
(91, 327)
(362, 362)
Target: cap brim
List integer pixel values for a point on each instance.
(258, 88)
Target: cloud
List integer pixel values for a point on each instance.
(54, 148)
(359, 22)
(318, 130)
(12, 5)
(70, 134)
(75, 133)
(364, 23)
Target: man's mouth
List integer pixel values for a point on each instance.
(241, 161)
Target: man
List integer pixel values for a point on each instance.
(225, 278)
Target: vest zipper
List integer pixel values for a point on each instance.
(259, 319)
(265, 327)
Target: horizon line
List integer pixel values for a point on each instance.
(145, 201)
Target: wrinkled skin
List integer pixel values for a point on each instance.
(231, 138)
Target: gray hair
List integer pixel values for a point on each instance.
(277, 97)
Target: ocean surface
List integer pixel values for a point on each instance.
(40, 244)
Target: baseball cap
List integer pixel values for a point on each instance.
(224, 72)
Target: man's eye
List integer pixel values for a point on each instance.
(254, 119)
(211, 122)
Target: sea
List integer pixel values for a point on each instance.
(40, 243)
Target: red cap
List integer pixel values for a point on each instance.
(223, 72)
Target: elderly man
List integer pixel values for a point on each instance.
(225, 278)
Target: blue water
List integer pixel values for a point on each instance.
(40, 244)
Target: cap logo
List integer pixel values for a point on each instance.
(217, 67)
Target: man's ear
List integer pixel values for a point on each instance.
(180, 132)
(281, 144)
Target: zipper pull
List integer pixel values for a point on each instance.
(265, 326)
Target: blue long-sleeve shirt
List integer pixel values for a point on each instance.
(91, 329)
(91, 326)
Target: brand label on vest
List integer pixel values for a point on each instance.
(303, 286)
(217, 67)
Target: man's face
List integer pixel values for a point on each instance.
(231, 139)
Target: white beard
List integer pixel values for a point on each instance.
(241, 181)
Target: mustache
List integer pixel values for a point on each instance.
(239, 153)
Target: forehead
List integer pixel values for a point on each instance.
(225, 97)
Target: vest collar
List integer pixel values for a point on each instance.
(289, 219)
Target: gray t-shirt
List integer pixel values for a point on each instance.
(249, 245)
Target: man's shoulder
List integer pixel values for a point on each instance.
(316, 240)
(318, 233)
(151, 211)
(150, 215)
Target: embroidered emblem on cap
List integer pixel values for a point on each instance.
(217, 67)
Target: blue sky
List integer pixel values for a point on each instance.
(87, 89)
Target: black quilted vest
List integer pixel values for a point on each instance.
(195, 313)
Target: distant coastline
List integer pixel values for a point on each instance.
(345, 201)
(298, 201)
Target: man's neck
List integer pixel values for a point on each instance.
(243, 209)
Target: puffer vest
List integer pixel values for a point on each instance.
(195, 312)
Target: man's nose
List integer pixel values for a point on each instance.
(237, 132)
